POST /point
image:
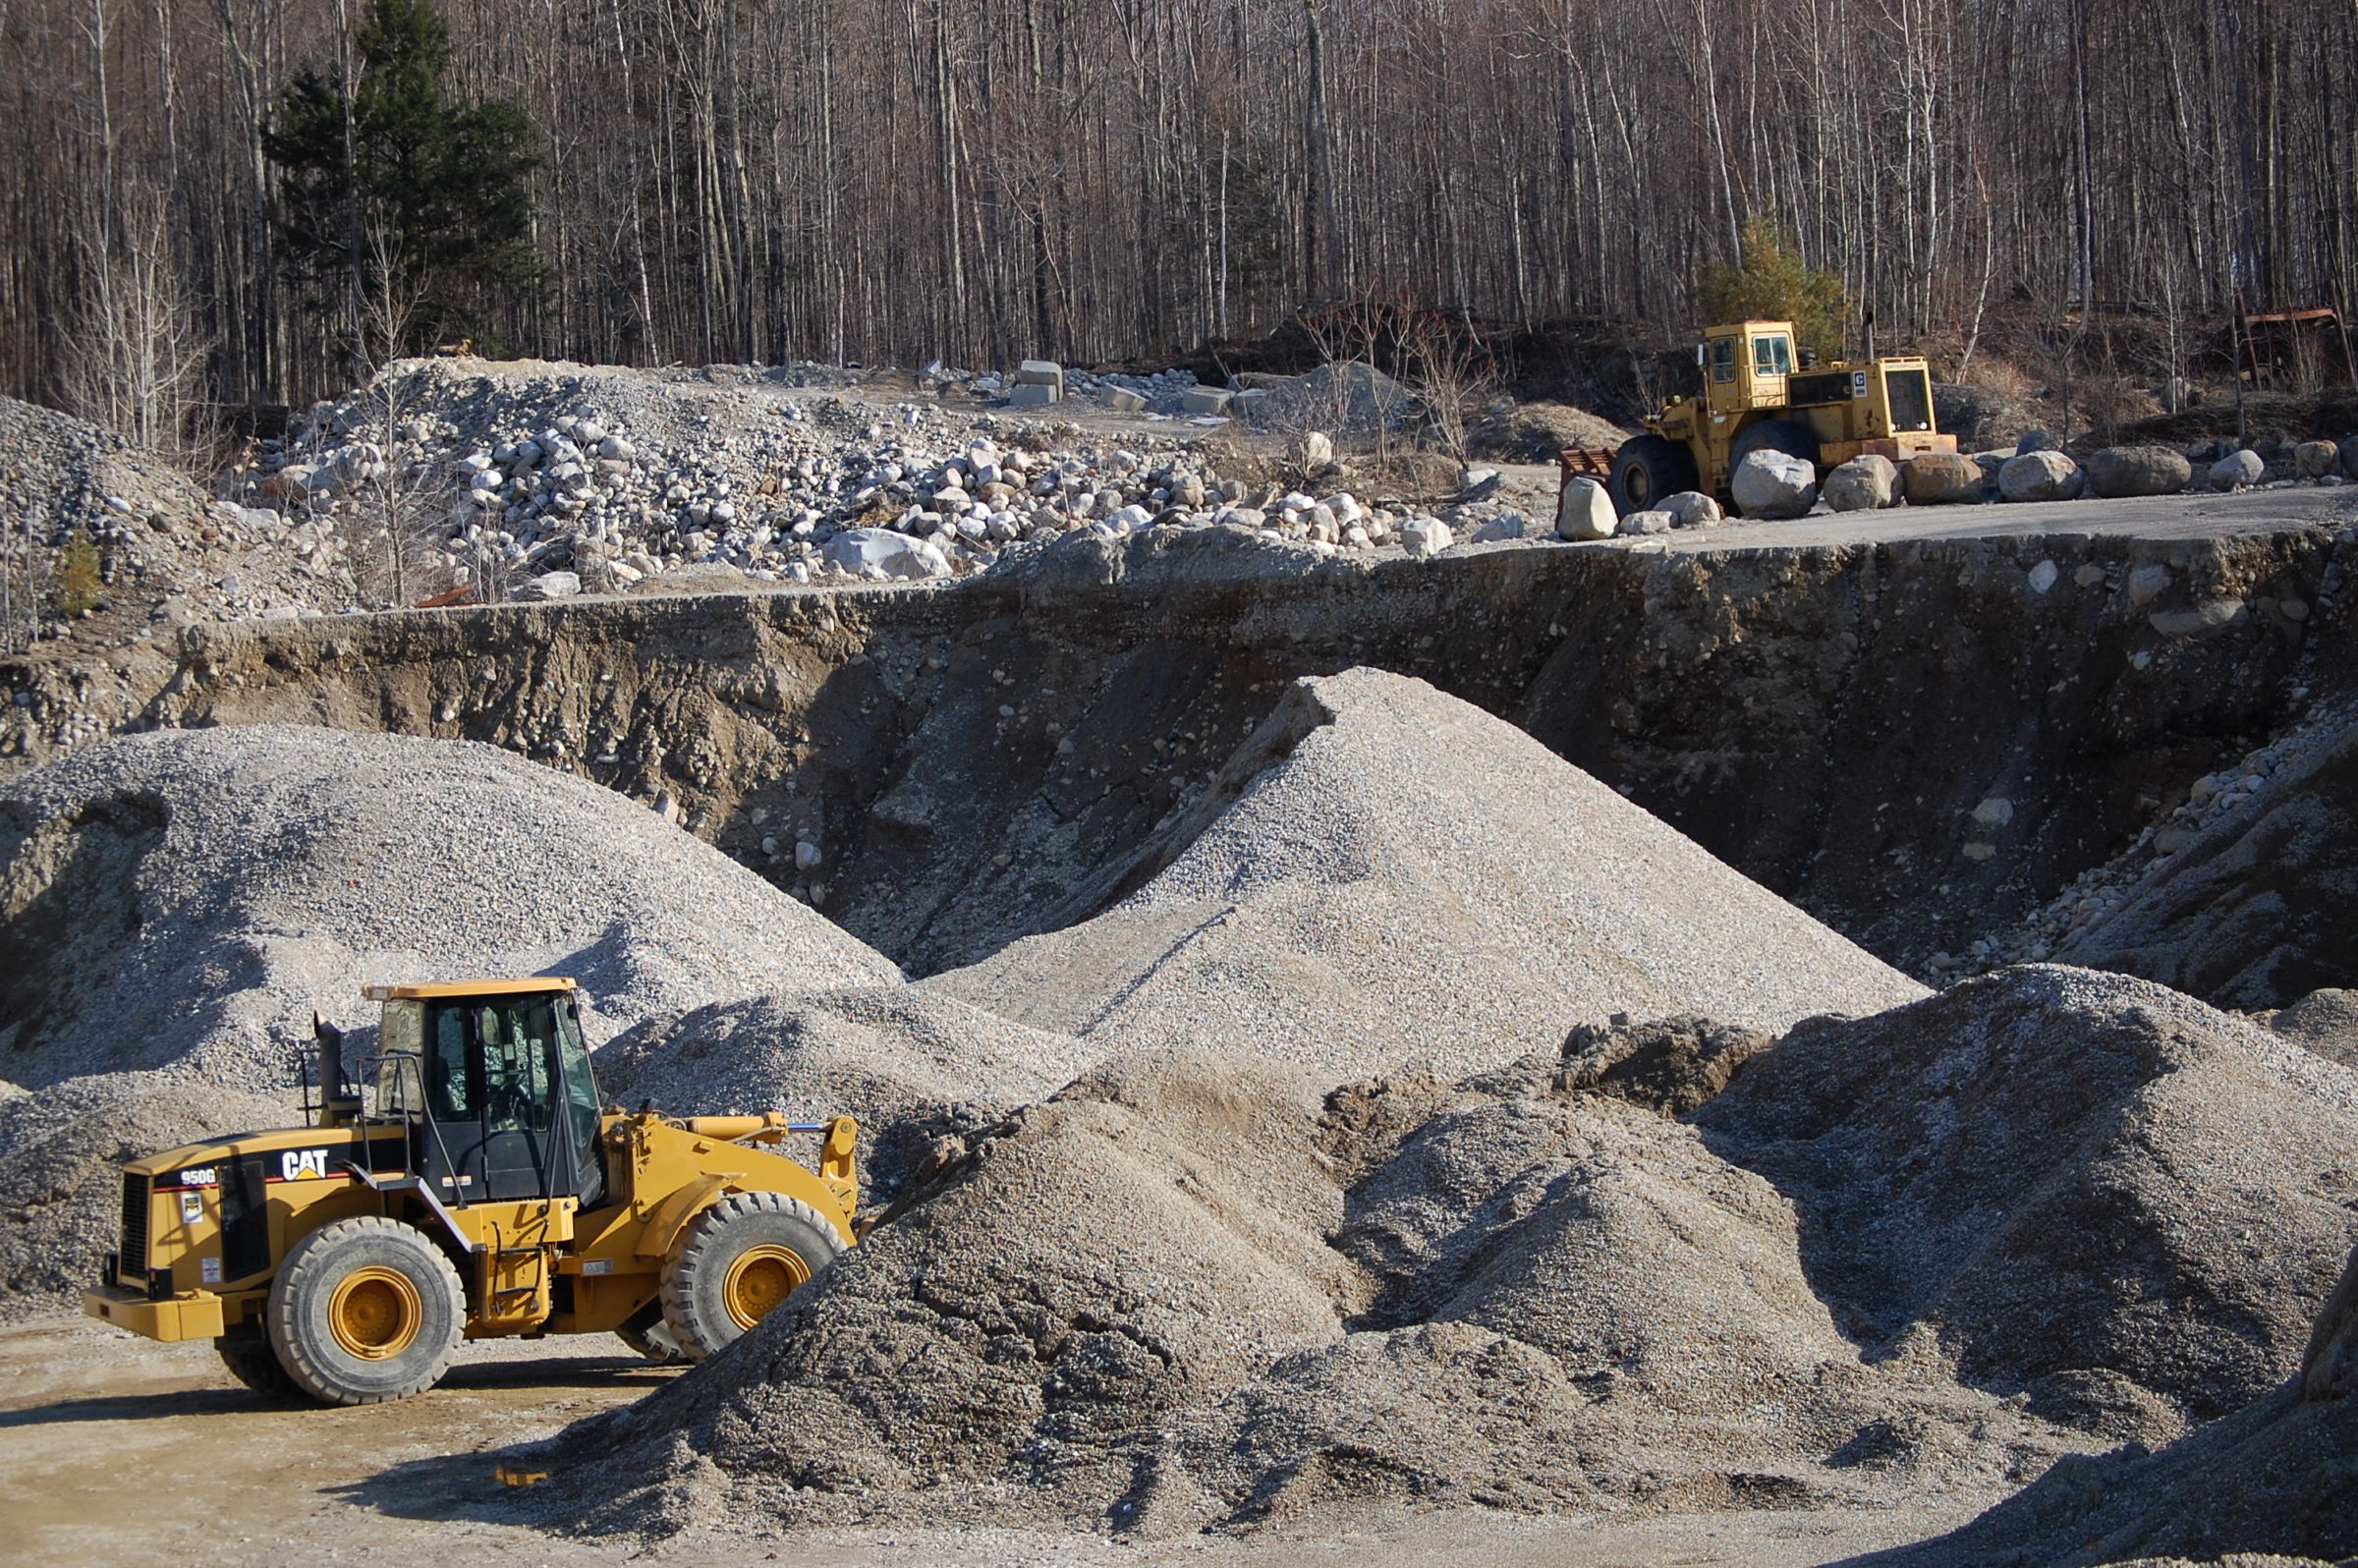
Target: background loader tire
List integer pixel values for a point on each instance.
(365, 1311)
(246, 1351)
(1648, 467)
(737, 1261)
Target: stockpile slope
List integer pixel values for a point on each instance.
(1385, 874)
(2252, 910)
(2279, 1476)
(2081, 1188)
(1894, 1257)
(191, 896)
(921, 1072)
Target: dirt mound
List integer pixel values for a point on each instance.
(1535, 432)
(1671, 1064)
(191, 896)
(2252, 909)
(1147, 1240)
(921, 1072)
(2077, 1187)
(1385, 875)
(59, 1147)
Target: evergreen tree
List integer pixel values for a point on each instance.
(428, 206)
(1774, 284)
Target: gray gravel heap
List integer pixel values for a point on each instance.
(1388, 876)
(1894, 1258)
(188, 897)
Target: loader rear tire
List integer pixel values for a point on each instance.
(365, 1311)
(1646, 469)
(246, 1351)
(737, 1263)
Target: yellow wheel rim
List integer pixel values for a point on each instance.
(375, 1313)
(759, 1279)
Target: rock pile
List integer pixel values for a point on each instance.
(1386, 875)
(540, 482)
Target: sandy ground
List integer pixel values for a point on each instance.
(113, 1450)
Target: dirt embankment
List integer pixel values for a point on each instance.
(1914, 740)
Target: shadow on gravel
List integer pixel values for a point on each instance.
(451, 1486)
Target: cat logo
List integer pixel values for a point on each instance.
(303, 1164)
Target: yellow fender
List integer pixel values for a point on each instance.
(685, 1203)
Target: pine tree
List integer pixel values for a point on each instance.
(74, 580)
(1774, 284)
(434, 195)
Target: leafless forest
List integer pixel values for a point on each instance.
(892, 180)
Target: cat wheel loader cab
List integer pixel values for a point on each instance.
(1759, 391)
(473, 1189)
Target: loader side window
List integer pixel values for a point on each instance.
(1723, 359)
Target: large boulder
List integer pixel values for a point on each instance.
(1584, 511)
(1941, 479)
(2313, 459)
(2349, 457)
(1422, 536)
(880, 553)
(2044, 476)
(1690, 509)
(1774, 485)
(2237, 470)
(2120, 473)
(1865, 484)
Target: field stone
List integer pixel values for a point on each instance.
(1774, 486)
(2038, 475)
(1642, 523)
(881, 554)
(2237, 470)
(2121, 473)
(1865, 484)
(1690, 509)
(1540, 899)
(1423, 537)
(1583, 510)
(1941, 479)
(2349, 457)
(2313, 459)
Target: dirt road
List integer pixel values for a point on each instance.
(113, 1450)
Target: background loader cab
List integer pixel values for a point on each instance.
(1758, 393)
(475, 1190)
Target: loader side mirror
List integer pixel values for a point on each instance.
(1701, 351)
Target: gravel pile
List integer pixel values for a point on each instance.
(1894, 1257)
(1385, 875)
(2326, 1021)
(188, 897)
(544, 480)
(921, 1072)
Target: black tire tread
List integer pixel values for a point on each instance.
(1664, 459)
(310, 1263)
(704, 1246)
(246, 1351)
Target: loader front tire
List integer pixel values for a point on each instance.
(737, 1263)
(1646, 469)
(246, 1351)
(365, 1311)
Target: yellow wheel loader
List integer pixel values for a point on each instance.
(475, 1190)
(1757, 394)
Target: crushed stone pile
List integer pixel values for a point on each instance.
(60, 1192)
(2080, 1188)
(921, 1072)
(1384, 876)
(191, 896)
(2274, 1483)
(2326, 1021)
(1190, 1291)
(541, 480)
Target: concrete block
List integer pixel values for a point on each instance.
(1206, 400)
(1032, 395)
(1124, 401)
